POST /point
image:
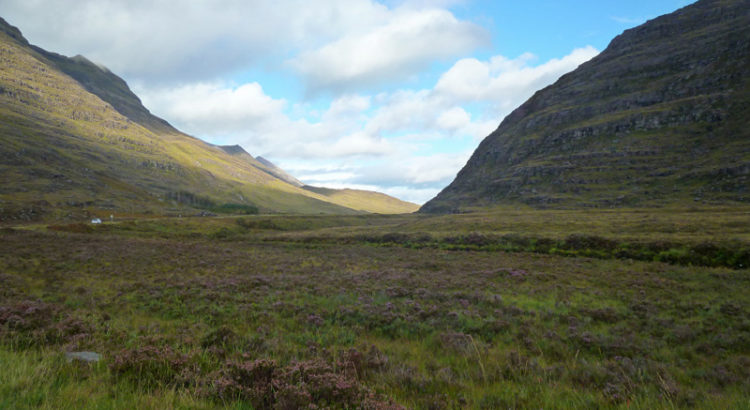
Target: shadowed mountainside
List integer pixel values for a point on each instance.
(661, 116)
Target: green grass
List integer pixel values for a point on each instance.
(185, 310)
(45, 380)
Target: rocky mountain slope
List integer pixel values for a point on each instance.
(75, 141)
(262, 164)
(279, 173)
(661, 116)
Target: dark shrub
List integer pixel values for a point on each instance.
(606, 315)
(477, 239)
(33, 323)
(359, 363)
(75, 228)
(422, 238)
(251, 381)
(543, 245)
(495, 401)
(457, 342)
(312, 383)
(583, 242)
(151, 366)
(517, 242)
(28, 315)
(731, 309)
(221, 233)
(11, 285)
(238, 209)
(252, 223)
(399, 238)
(323, 384)
(220, 337)
(219, 340)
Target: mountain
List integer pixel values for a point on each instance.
(365, 200)
(262, 164)
(279, 173)
(662, 116)
(75, 141)
(359, 200)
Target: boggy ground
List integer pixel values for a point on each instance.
(247, 319)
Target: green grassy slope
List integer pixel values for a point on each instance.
(361, 200)
(365, 200)
(660, 117)
(76, 142)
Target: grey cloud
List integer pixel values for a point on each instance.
(161, 41)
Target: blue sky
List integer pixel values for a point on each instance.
(391, 96)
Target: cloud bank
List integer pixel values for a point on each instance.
(334, 43)
(410, 142)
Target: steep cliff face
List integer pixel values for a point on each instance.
(661, 116)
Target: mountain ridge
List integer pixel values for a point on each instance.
(68, 153)
(97, 80)
(279, 173)
(658, 117)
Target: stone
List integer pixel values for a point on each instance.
(87, 357)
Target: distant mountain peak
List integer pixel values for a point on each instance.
(278, 172)
(233, 149)
(83, 60)
(12, 31)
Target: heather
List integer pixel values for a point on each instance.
(359, 312)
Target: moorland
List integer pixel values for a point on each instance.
(506, 308)
(593, 253)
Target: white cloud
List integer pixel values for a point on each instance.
(435, 168)
(416, 140)
(405, 110)
(212, 108)
(506, 82)
(497, 86)
(355, 144)
(248, 116)
(478, 130)
(348, 105)
(328, 179)
(453, 119)
(411, 194)
(407, 41)
(347, 42)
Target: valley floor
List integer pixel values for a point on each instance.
(505, 309)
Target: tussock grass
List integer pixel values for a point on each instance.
(184, 317)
